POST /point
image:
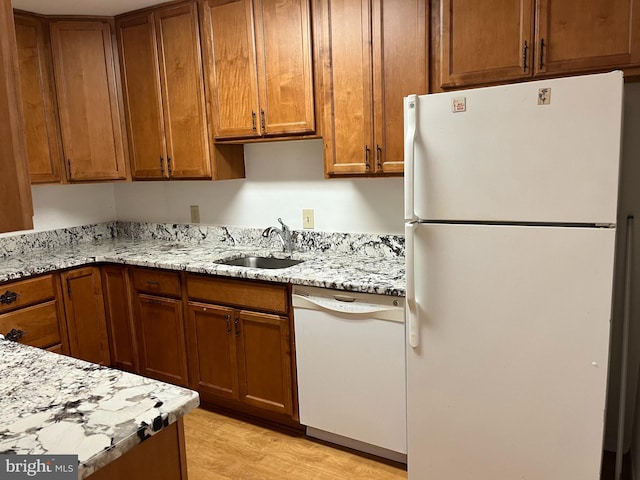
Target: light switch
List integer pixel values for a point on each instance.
(195, 213)
(307, 218)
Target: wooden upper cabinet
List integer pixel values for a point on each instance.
(372, 55)
(142, 96)
(87, 99)
(486, 41)
(285, 73)
(259, 63)
(231, 66)
(182, 79)
(39, 106)
(348, 78)
(400, 58)
(15, 192)
(164, 95)
(498, 40)
(575, 36)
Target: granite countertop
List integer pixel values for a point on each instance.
(350, 271)
(53, 404)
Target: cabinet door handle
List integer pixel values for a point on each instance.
(366, 157)
(152, 301)
(8, 297)
(14, 335)
(228, 324)
(379, 157)
(262, 122)
(253, 121)
(169, 169)
(542, 45)
(68, 288)
(161, 165)
(525, 51)
(236, 325)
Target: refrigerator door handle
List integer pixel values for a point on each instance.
(410, 108)
(411, 300)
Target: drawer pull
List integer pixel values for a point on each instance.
(153, 283)
(14, 335)
(8, 297)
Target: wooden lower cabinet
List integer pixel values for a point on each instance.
(264, 361)
(212, 350)
(32, 308)
(159, 326)
(241, 359)
(118, 309)
(86, 322)
(161, 457)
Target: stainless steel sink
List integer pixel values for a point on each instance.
(261, 262)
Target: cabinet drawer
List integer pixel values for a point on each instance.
(239, 293)
(39, 322)
(157, 282)
(27, 292)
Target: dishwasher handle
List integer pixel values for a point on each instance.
(349, 307)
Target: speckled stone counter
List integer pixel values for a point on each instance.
(361, 263)
(53, 404)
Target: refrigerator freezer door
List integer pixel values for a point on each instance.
(508, 158)
(509, 378)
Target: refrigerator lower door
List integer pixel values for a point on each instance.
(509, 377)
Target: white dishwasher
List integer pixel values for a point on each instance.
(350, 354)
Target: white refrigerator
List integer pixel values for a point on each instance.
(511, 196)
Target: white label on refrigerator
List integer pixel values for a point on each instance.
(459, 104)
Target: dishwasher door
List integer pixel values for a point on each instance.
(350, 353)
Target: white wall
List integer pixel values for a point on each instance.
(282, 179)
(60, 206)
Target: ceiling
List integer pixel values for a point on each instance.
(82, 7)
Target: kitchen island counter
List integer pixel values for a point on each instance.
(53, 404)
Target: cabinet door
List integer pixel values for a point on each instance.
(264, 361)
(117, 300)
(38, 103)
(400, 44)
(229, 40)
(347, 79)
(15, 192)
(182, 81)
(483, 42)
(159, 327)
(283, 45)
(574, 35)
(84, 307)
(87, 100)
(211, 337)
(142, 99)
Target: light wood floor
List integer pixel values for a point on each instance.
(220, 447)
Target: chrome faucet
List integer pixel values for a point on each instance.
(284, 234)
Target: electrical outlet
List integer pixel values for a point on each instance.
(307, 218)
(195, 213)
